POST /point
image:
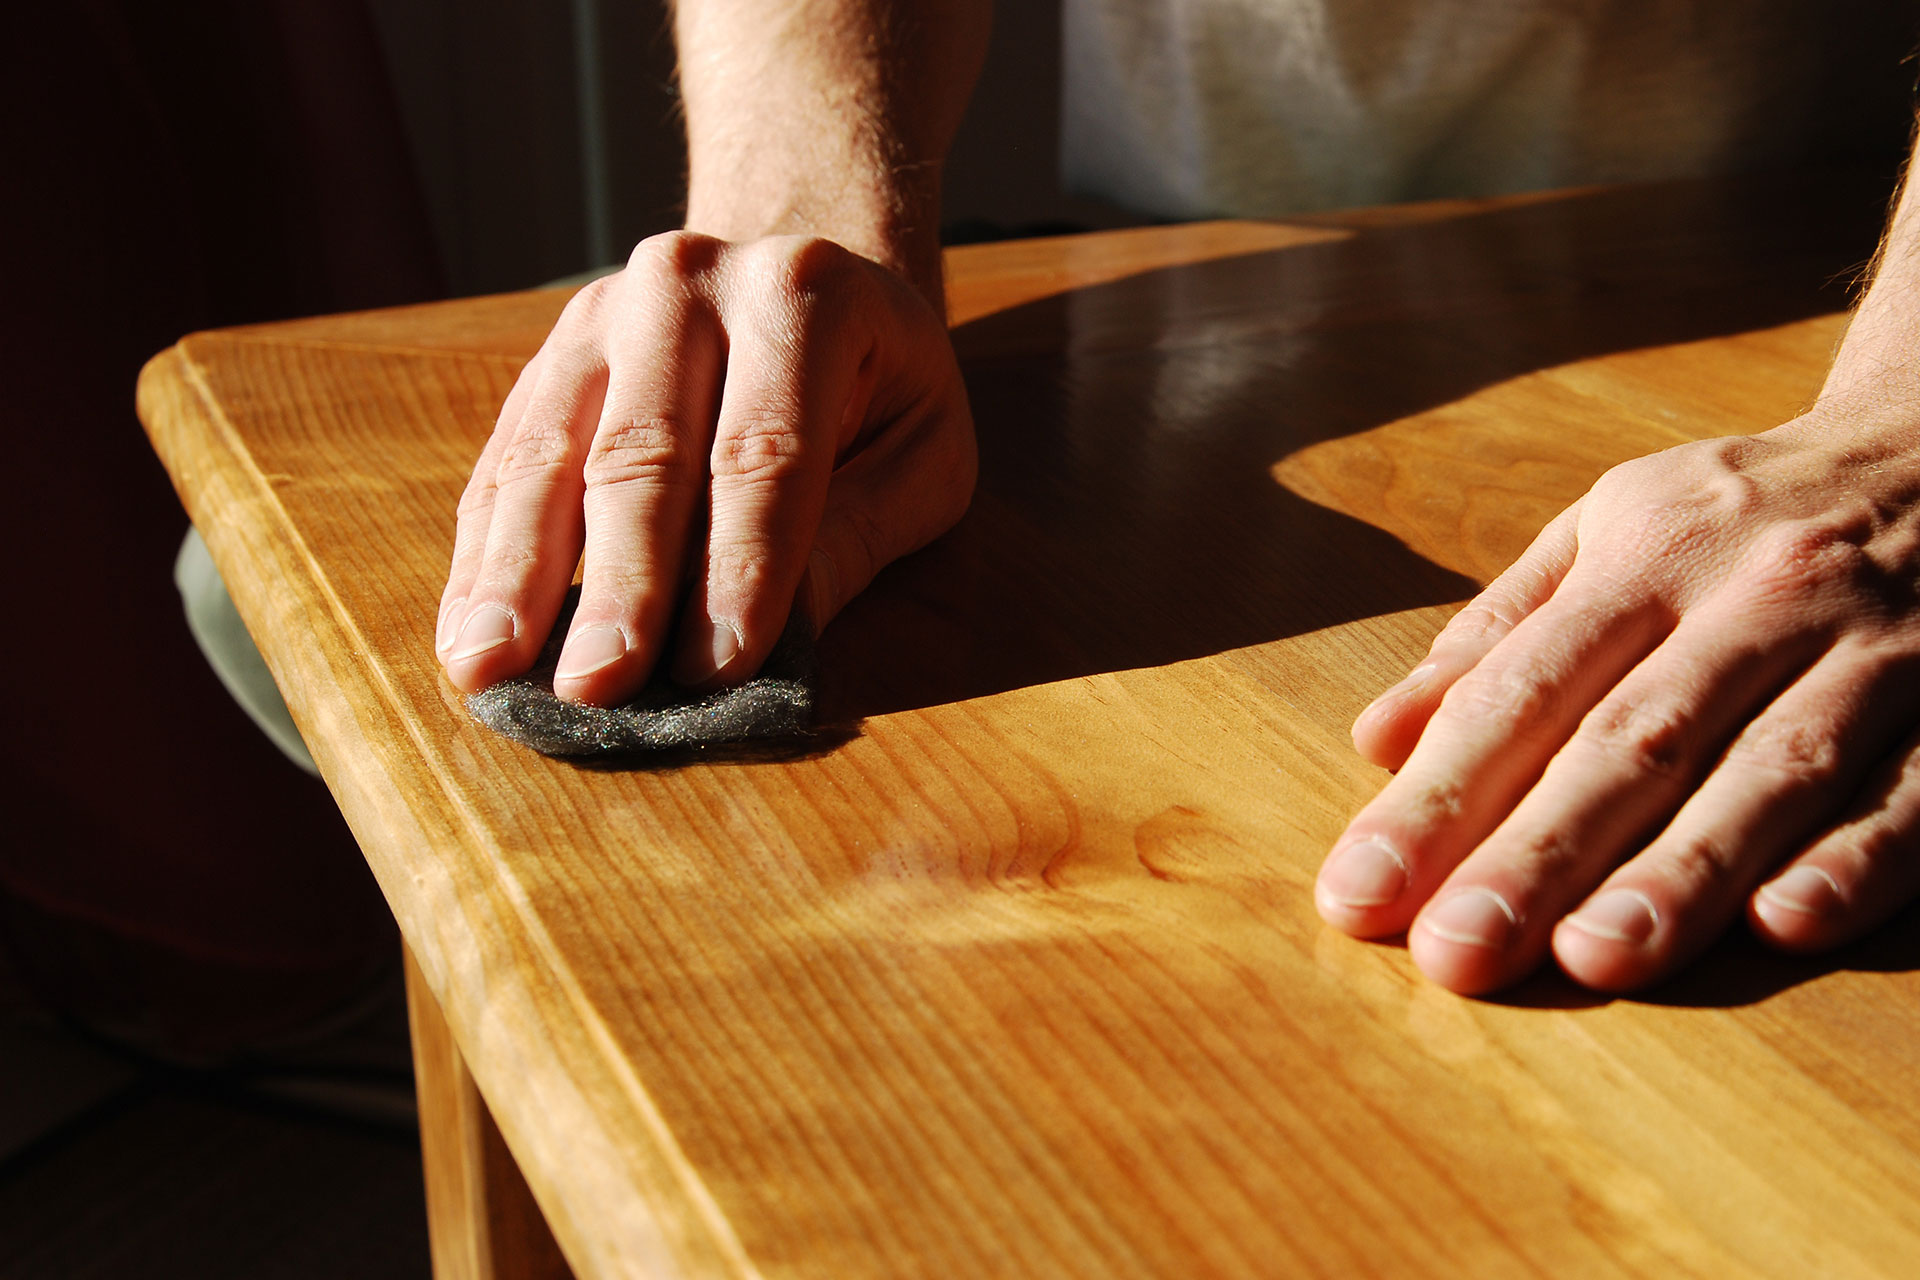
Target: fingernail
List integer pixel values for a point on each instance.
(1473, 918)
(488, 627)
(1808, 890)
(1618, 915)
(450, 616)
(1366, 873)
(591, 650)
(723, 648)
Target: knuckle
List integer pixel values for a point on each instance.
(1437, 805)
(1482, 622)
(585, 309)
(1804, 754)
(758, 450)
(1523, 700)
(626, 588)
(1676, 502)
(1623, 475)
(476, 500)
(1695, 865)
(674, 255)
(537, 452)
(1649, 738)
(506, 570)
(1551, 851)
(741, 572)
(637, 449)
(802, 266)
(1798, 559)
(1640, 484)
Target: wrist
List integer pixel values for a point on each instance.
(1872, 426)
(894, 222)
(1875, 373)
(1876, 367)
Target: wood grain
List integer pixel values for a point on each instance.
(484, 1222)
(1018, 972)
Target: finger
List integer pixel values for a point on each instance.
(1857, 874)
(1799, 763)
(475, 513)
(1485, 747)
(898, 493)
(1387, 730)
(533, 537)
(1625, 771)
(790, 379)
(644, 476)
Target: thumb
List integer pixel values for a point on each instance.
(901, 491)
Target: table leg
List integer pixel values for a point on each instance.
(482, 1222)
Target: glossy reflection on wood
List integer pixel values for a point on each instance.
(1017, 973)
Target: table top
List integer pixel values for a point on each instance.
(1015, 971)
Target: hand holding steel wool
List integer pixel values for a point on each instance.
(663, 716)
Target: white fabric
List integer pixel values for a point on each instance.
(1198, 108)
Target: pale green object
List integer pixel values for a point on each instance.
(223, 638)
(230, 651)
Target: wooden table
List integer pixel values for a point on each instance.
(1015, 972)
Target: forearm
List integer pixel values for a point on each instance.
(1876, 371)
(828, 118)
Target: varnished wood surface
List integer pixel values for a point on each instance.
(1017, 972)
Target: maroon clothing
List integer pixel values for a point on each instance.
(168, 168)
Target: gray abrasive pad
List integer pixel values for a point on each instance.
(776, 703)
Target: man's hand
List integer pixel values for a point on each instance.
(740, 418)
(1696, 693)
(762, 406)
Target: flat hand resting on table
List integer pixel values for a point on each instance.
(1695, 695)
(745, 419)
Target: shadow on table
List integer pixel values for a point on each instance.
(1127, 514)
(1738, 970)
